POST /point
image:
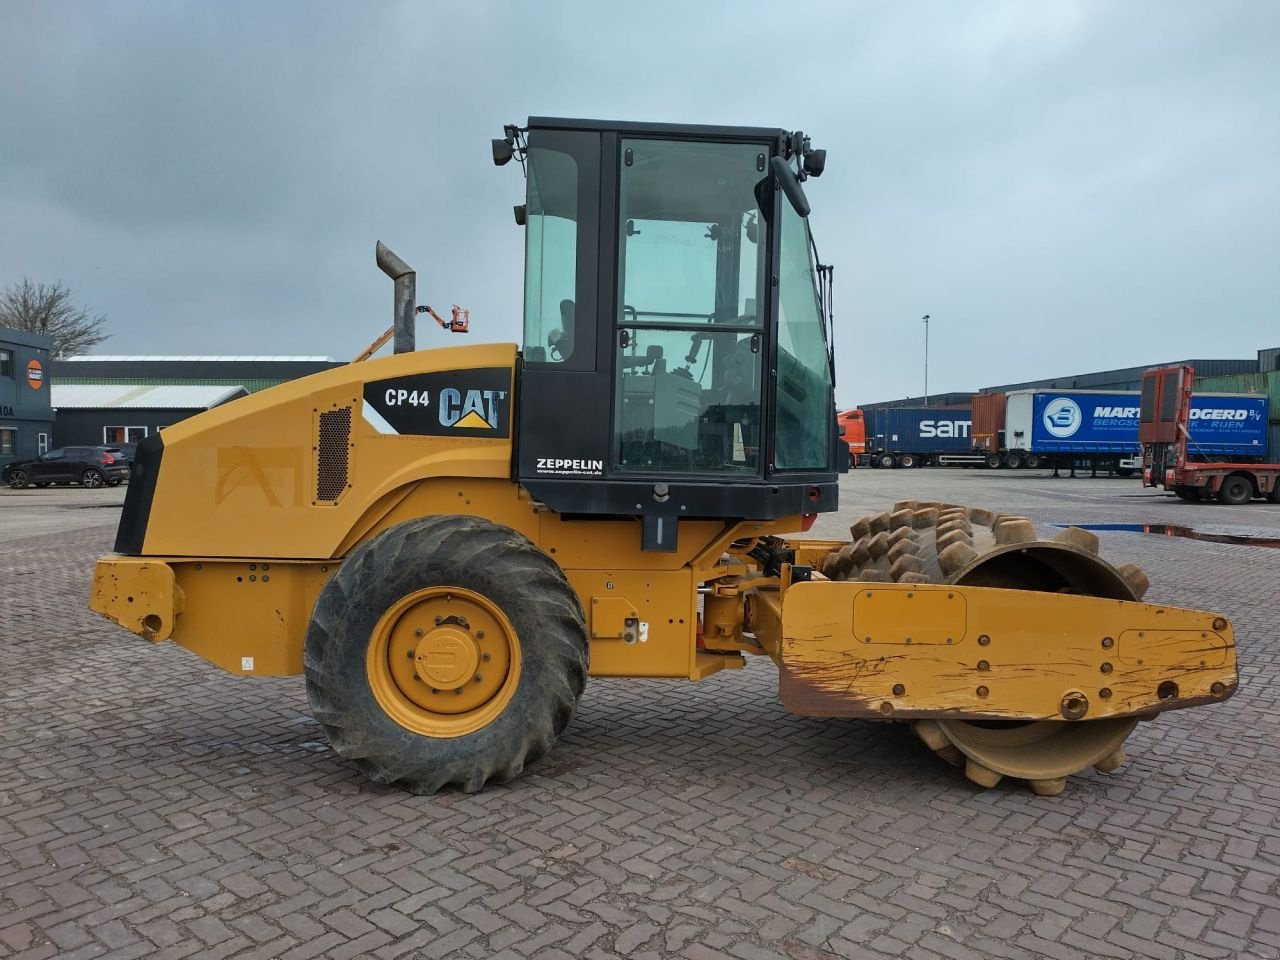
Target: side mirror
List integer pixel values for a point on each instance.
(790, 184)
(503, 151)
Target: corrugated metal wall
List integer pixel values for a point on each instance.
(1264, 383)
(1269, 359)
(253, 386)
(935, 400)
(1125, 378)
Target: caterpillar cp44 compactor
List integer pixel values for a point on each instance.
(447, 542)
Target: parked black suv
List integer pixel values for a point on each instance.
(87, 466)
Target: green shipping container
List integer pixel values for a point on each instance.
(1265, 383)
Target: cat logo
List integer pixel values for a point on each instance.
(474, 410)
(441, 403)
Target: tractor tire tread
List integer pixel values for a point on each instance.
(469, 552)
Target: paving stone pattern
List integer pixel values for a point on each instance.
(151, 806)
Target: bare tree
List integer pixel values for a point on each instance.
(48, 309)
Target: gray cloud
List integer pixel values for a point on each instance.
(1063, 186)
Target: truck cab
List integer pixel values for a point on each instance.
(853, 432)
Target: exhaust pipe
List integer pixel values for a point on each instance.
(406, 295)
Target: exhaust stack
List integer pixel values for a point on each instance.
(406, 295)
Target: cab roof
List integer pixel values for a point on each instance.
(690, 130)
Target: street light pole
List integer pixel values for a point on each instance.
(925, 318)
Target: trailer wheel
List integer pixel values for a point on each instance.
(994, 460)
(1235, 490)
(1031, 462)
(907, 461)
(445, 651)
(886, 461)
(1013, 460)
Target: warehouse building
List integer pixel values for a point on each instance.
(90, 414)
(26, 415)
(121, 399)
(1130, 378)
(252, 373)
(1124, 378)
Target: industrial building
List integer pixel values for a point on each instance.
(90, 414)
(1123, 378)
(26, 415)
(122, 399)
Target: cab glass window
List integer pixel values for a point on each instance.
(691, 254)
(551, 255)
(803, 391)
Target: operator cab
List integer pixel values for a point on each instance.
(676, 361)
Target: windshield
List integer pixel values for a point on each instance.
(803, 393)
(691, 254)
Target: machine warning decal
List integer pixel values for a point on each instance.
(446, 403)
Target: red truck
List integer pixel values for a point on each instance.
(853, 432)
(1163, 431)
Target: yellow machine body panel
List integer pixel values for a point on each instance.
(913, 651)
(250, 615)
(294, 470)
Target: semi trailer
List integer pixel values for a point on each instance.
(919, 436)
(1200, 447)
(1087, 428)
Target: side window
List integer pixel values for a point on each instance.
(551, 257)
(42, 444)
(6, 363)
(804, 374)
(8, 442)
(55, 455)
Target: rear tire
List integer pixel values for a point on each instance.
(886, 461)
(18, 479)
(907, 461)
(1032, 461)
(1235, 490)
(91, 478)
(396, 726)
(994, 461)
(1013, 461)
(853, 461)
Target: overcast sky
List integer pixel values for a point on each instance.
(1063, 186)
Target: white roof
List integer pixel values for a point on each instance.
(102, 358)
(79, 396)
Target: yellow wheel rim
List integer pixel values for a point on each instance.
(443, 662)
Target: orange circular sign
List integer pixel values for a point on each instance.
(35, 374)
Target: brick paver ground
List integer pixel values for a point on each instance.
(151, 806)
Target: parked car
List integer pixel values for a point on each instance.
(124, 451)
(87, 466)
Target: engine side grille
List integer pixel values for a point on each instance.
(333, 449)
